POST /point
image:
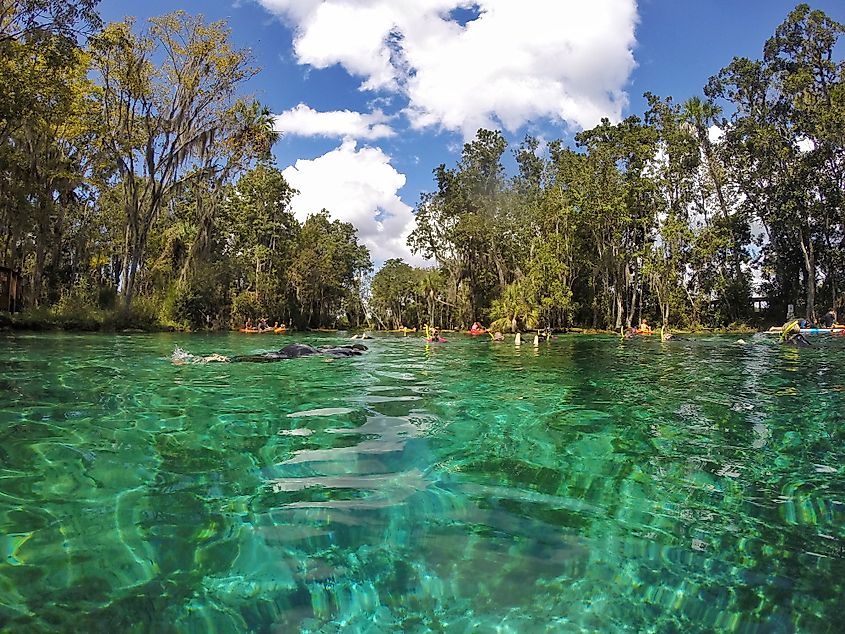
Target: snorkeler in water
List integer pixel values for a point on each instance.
(791, 335)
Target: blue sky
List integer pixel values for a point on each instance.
(371, 95)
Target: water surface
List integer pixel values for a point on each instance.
(585, 485)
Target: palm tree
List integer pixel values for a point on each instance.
(429, 287)
(516, 304)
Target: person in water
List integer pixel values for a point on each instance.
(291, 351)
(498, 336)
(791, 335)
(829, 318)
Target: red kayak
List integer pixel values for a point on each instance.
(475, 333)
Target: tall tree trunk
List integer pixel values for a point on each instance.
(810, 270)
(38, 270)
(5, 259)
(127, 256)
(619, 308)
(629, 318)
(57, 239)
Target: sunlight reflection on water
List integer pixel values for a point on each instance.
(585, 484)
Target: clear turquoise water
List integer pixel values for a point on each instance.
(587, 485)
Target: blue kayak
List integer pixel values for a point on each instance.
(821, 331)
(811, 331)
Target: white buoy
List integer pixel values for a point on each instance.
(518, 339)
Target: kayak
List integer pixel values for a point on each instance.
(475, 333)
(266, 331)
(436, 340)
(811, 331)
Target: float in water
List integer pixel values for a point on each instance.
(836, 329)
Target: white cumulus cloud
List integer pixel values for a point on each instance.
(357, 185)
(305, 121)
(513, 63)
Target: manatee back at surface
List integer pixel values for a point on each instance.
(296, 350)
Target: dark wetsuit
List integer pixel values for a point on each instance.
(798, 340)
(296, 350)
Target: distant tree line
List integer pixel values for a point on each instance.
(653, 217)
(137, 187)
(136, 182)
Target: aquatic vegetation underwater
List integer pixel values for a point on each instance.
(586, 484)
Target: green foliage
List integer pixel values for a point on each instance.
(326, 272)
(169, 116)
(516, 310)
(78, 307)
(787, 155)
(189, 305)
(134, 166)
(245, 306)
(397, 296)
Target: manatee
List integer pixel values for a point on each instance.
(296, 350)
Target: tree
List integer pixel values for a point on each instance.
(167, 99)
(672, 172)
(516, 307)
(395, 294)
(615, 194)
(719, 255)
(787, 151)
(326, 270)
(467, 226)
(261, 236)
(67, 19)
(42, 131)
(552, 262)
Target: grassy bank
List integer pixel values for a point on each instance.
(87, 320)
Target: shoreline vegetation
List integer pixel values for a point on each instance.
(139, 192)
(49, 320)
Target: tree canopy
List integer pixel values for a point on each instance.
(136, 176)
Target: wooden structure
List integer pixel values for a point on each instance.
(11, 290)
(760, 304)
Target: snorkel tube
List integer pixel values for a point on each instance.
(788, 328)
